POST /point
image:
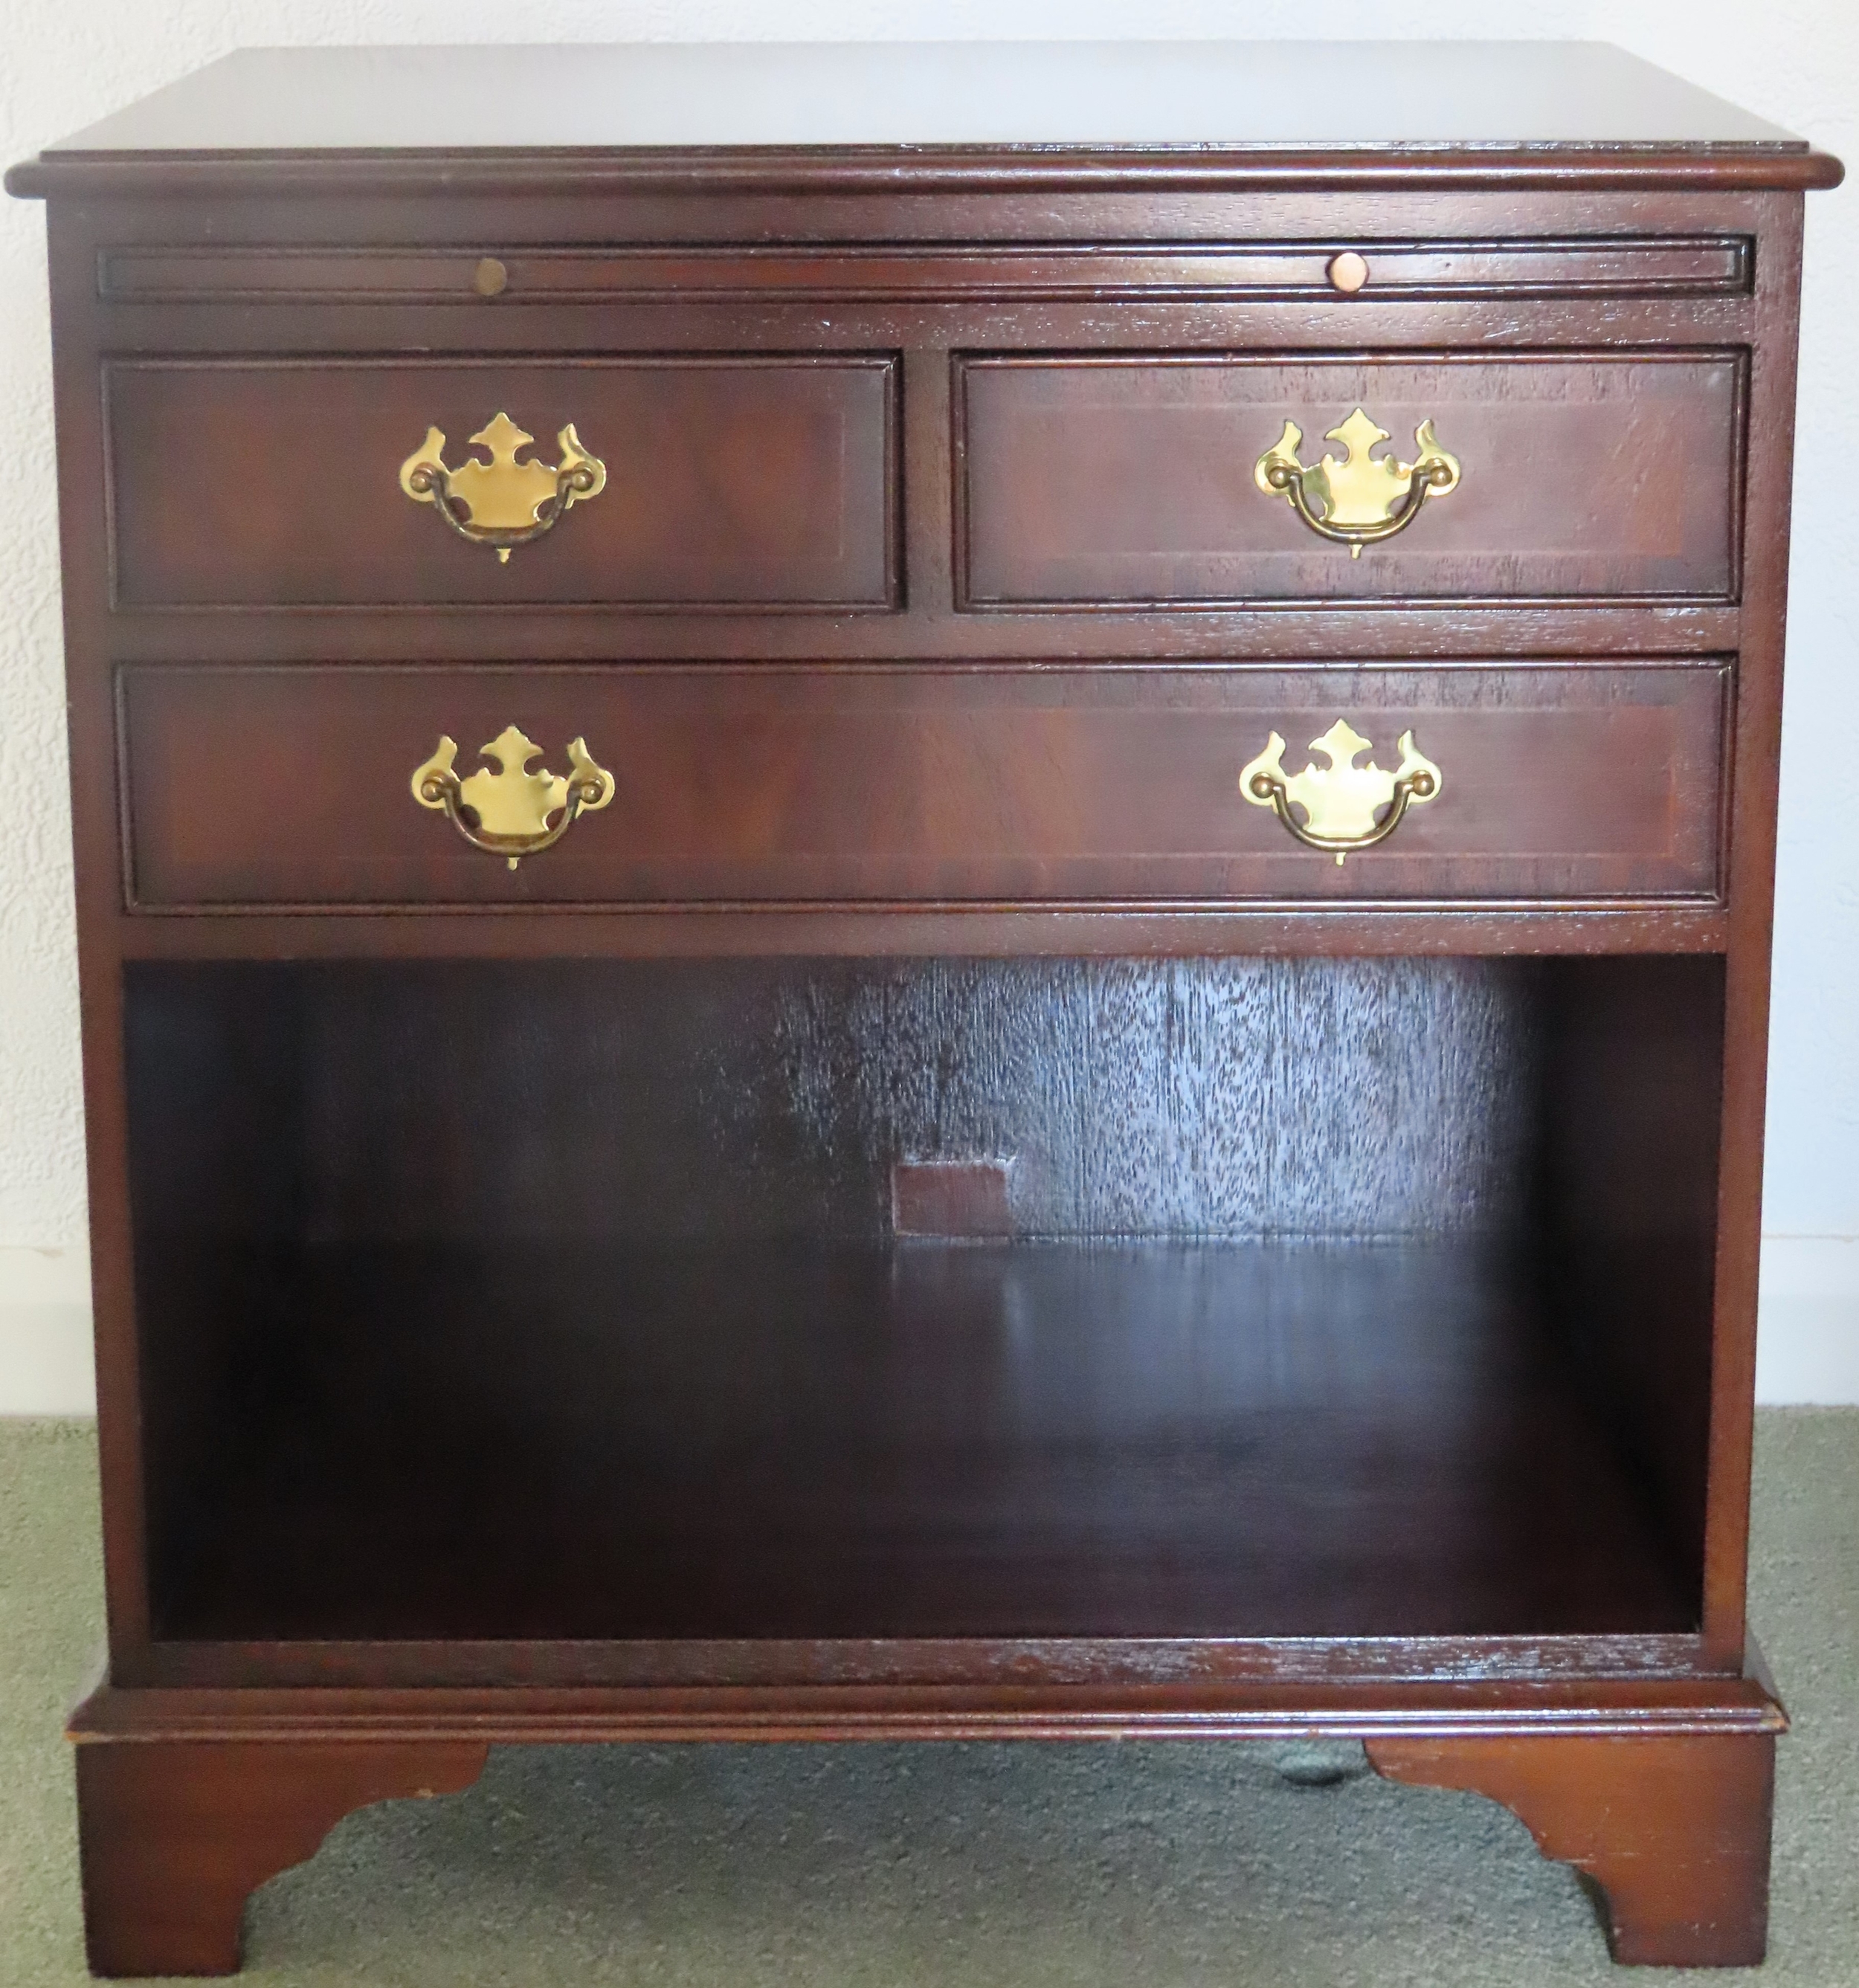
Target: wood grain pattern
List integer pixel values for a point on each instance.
(661, 1102)
(752, 480)
(1093, 480)
(247, 787)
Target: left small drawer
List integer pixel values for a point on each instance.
(746, 482)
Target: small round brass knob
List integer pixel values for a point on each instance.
(1348, 272)
(490, 276)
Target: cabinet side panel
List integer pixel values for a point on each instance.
(97, 838)
(1632, 1095)
(1752, 894)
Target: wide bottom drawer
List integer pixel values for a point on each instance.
(269, 786)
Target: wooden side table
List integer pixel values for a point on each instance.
(1085, 1054)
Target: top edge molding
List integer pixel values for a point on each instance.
(858, 170)
(928, 117)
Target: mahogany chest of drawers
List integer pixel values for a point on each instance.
(1085, 1055)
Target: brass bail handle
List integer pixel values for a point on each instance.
(1343, 806)
(503, 503)
(512, 813)
(1357, 498)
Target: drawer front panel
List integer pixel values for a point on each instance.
(265, 787)
(730, 482)
(1088, 481)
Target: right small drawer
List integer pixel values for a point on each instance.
(1140, 481)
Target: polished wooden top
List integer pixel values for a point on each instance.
(1187, 101)
(1075, 93)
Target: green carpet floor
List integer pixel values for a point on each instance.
(1142, 1866)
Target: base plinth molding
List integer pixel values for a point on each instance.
(188, 1801)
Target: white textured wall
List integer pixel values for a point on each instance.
(1797, 62)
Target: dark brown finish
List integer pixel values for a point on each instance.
(1558, 98)
(1602, 267)
(1089, 480)
(717, 1101)
(1150, 1441)
(1026, 785)
(970, 1702)
(1633, 1087)
(1674, 1832)
(176, 1835)
(879, 170)
(752, 481)
(722, 1100)
(690, 1328)
(1448, 1162)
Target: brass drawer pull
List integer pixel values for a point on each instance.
(502, 502)
(1342, 802)
(507, 812)
(1359, 499)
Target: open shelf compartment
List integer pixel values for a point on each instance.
(1271, 1298)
